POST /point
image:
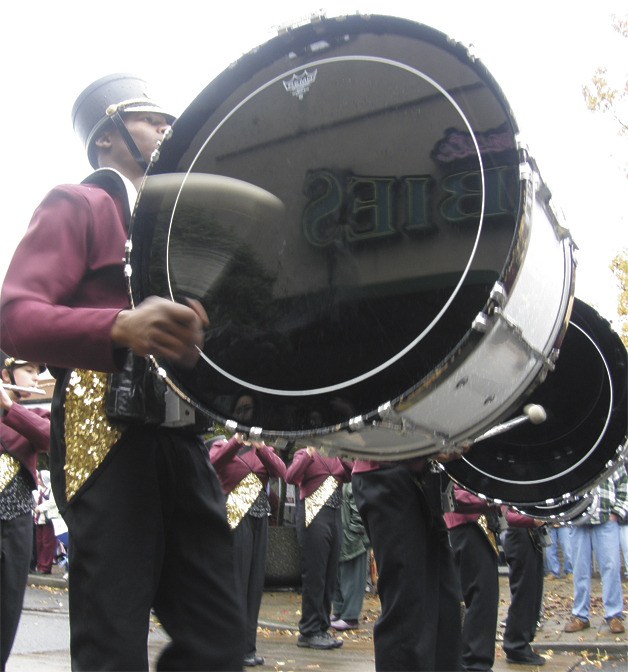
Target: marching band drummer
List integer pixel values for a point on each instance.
(135, 484)
(244, 469)
(24, 434)
(319, 533)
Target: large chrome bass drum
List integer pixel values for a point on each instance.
(378, 255)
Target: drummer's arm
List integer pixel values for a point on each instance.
(223, 452)
(300, 463)
(269, 458)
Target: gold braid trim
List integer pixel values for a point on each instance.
(88, 434)
(242, 497)
(9, 466)
(490, 535)
(315, 502)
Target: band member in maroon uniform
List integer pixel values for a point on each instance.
(473, 530)
(319, 531)
(127, 486)
(24, 433)
(244, 469)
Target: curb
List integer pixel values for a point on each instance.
(49, 580)
(611, 648)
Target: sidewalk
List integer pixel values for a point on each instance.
(280, 612)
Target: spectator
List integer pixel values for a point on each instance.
(597, 531)
(561, 541)
(319, 533)
(49, 509)
(24, 434)
(44, 532)
(353, 567)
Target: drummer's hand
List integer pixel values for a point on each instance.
(452, 455)
(310, 450)
(163, 328)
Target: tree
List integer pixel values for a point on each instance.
(619, 266)
(600, 96)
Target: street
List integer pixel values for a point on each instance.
(42, 643)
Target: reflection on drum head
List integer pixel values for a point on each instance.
(241, 116)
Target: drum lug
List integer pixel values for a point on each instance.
(356, 424)
(499, 295)
(481, 323)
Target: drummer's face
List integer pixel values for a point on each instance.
(146, 129)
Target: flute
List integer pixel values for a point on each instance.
(19, 388)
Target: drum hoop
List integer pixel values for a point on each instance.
(384, 365)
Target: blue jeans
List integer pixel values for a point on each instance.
(603, 540)
(560, 536)
(623, 541)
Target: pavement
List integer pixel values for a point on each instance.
(592, 649)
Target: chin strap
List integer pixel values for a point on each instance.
(113, 113)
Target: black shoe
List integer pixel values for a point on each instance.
(252, 659)
(525, 659)
(320, 640)
(337, 642)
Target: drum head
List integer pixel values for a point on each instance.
(582, 439)
(370, 197)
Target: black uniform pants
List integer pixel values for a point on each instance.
(419, 626)
(250, 543)
(16, 545)
(320, 544)
(149, 530)
(479, 580)
(525, 576)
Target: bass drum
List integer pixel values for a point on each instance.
(379, 259)
(584, 436)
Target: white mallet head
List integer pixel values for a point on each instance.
(536, 414)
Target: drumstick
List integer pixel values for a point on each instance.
(19, 388)
(533, 413)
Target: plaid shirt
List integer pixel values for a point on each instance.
(611, 496)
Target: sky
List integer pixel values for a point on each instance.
(540, 52)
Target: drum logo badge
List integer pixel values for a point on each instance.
(299, 84)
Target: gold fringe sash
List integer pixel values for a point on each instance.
(315, 502)
(9, 467)
(490, 535)
(88, 434)
(242, 497)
